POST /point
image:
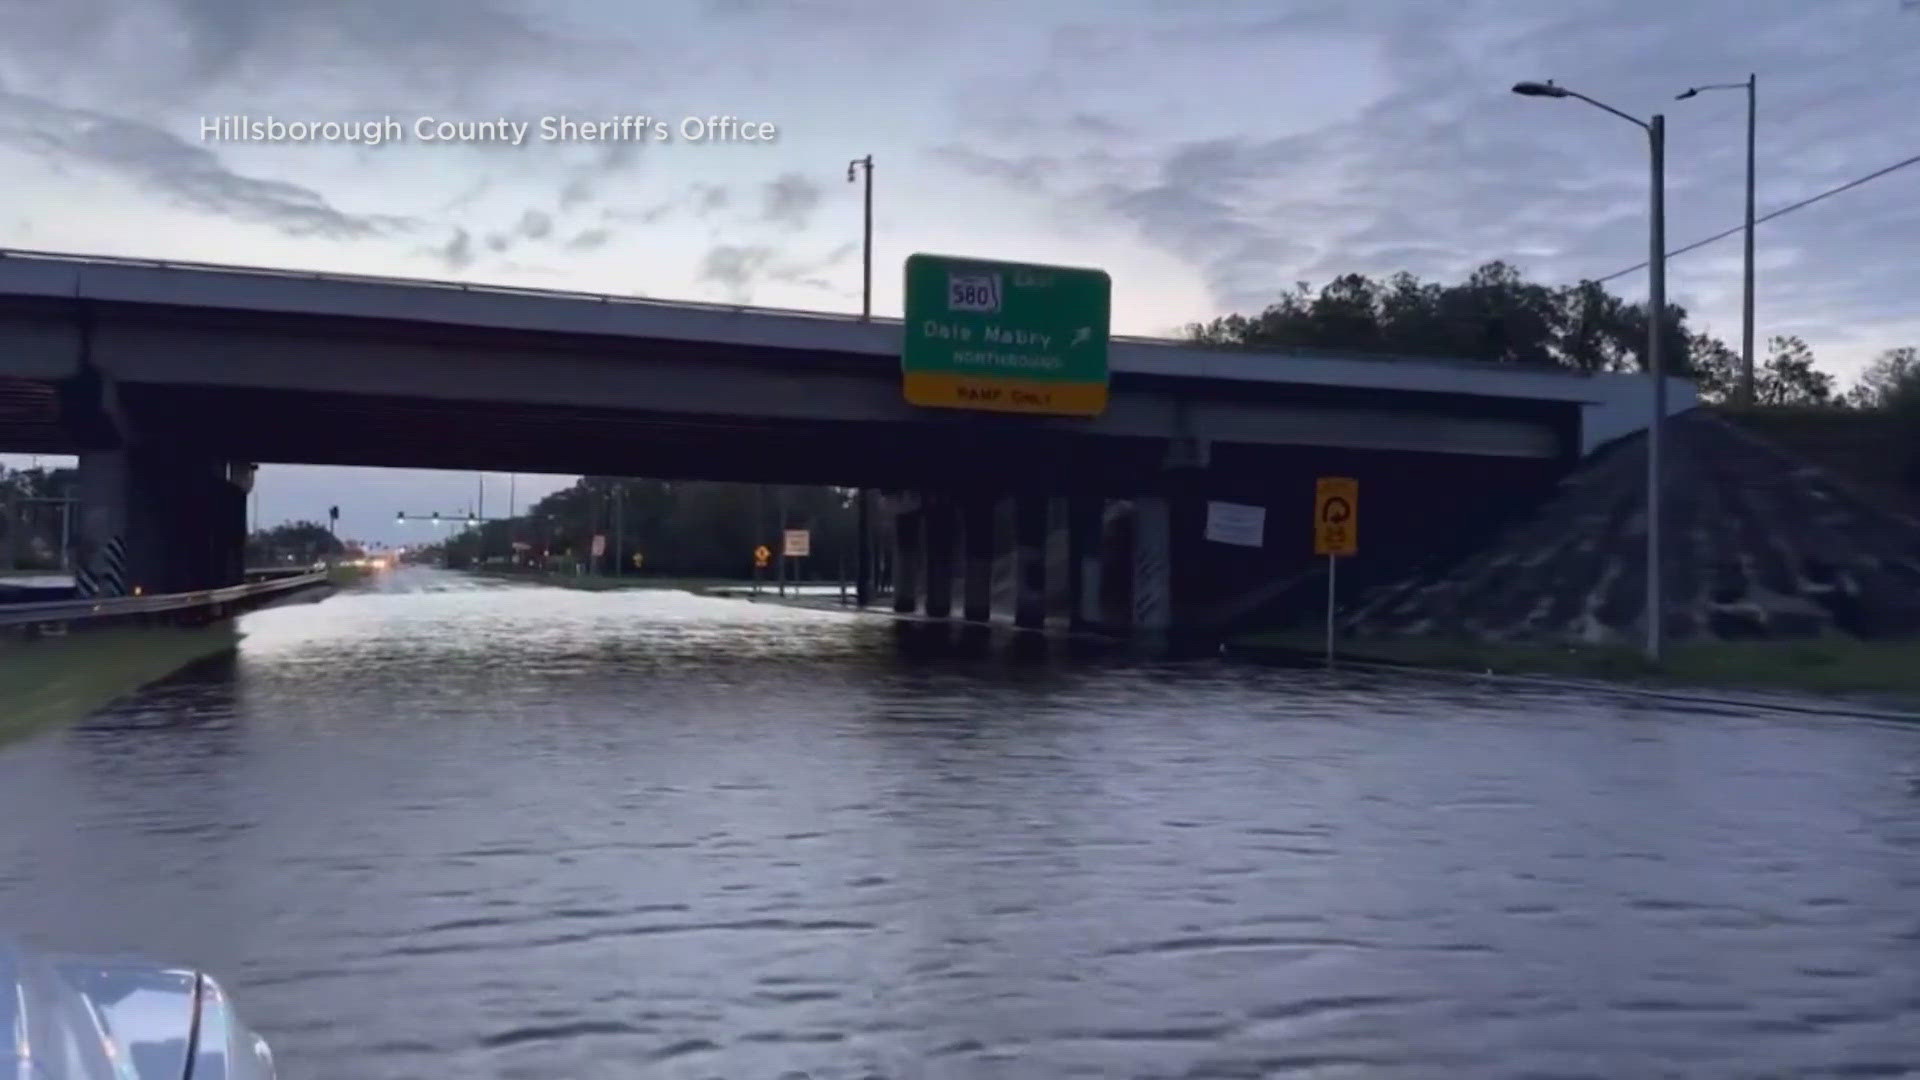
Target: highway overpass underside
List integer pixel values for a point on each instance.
(1144, 561)
(163, 485)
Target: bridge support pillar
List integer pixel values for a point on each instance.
(863, 571)
(155, 520)
(977, 587)
(1030, 561)
(1085, 519)
(908, 554)
(1152, 565)
(942, 526)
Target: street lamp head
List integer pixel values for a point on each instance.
(1692, 91)
(1539, 89)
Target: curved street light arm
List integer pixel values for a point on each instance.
(1628, 117)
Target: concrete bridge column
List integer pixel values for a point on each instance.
(908, 556)
(863, 570)
(942, 525)
(1152, 565)
(158, 521)
(1085, 523)
(1030, 561)
(977, 588)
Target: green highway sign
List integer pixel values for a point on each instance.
(1006, 337)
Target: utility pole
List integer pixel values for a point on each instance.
(863, 535)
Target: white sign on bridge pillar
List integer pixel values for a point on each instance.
(1235, 523)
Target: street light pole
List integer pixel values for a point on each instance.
(1746, 308)
(863, 529)
(1656, 129)
(1656, 366)
(1745, 393)
(865, 165)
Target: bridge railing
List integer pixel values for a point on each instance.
(848, 318)
(69, 611)
(480, 288)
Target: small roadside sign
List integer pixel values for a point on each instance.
(1336, 532)
(1336, 516)
(796, 543)
(599, 544)
(762, 555)
(1234, 523)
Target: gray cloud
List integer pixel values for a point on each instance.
(643, 217)
(577, 191)
(806, 272)
(589, 239)
(457, 252)
(177, 171)
(535, 225)
(1444, 169)
(710, 197)
(790, 201)
(734, 267)
(439, 46)
(584, 181)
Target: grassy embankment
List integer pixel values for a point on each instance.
(1887, 671)
(56, 680)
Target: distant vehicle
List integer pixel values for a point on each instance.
(88, 1018)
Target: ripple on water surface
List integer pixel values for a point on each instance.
(442, 827)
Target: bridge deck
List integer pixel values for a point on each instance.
(44, 275)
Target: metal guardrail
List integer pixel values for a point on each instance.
(66, 611)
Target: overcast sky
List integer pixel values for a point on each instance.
(1206, 154)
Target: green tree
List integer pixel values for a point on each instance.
(1788, 376)
(1890, 378)
(694, 529)
(292, 542)
(1495, 314)
(1715, 367)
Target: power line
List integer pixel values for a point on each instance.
(1895, 167)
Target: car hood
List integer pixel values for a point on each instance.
(87, 1018)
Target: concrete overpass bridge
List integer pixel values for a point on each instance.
(170, 380)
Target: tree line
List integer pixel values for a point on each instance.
(676, 528)
(1498, 315)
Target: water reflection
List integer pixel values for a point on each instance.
(445, 828)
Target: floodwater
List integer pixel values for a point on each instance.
(440, 828)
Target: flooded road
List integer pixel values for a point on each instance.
(441, 828)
